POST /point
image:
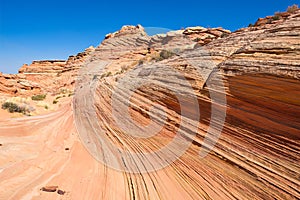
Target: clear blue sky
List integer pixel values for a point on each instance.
(37, 30)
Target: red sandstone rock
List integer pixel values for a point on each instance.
(49, 188)
(256, 156)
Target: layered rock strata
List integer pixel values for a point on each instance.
(255, 156)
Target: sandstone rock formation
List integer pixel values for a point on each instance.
(256, 155)
(45, 66)
(43, 76)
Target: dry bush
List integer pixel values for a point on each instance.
(39, 97)
(293, 8)
(13, 107)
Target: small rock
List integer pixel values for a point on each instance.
(61, 192)
(49, 188)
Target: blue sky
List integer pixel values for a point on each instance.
(37, 30)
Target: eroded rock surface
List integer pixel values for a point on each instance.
(43, 76)
(256, 155)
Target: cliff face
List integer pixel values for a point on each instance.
(256, 155)
(46, 76)
(45, 66)
(192, 114)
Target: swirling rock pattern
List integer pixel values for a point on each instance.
(255, 157)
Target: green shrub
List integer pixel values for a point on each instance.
(276, 16)
(39, 97)
(12, 108)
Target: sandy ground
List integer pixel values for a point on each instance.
(4, 114)
(44, 150)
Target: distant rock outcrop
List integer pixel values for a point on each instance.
(44, 76)
(45, 66)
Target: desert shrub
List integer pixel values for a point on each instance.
(165, 54)
(224, 35)
(292, 9)
(106, 75)
(39, 97)
(197, 39)
(276, 16)
(12, 107)
(95, 77)
(55, 102)
(141, 62)
(63, 91)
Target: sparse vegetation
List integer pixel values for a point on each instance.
(106, 75)
(13, 107)
(124, 68)
(164, 54)
(197, 39)
(292, 9)
(276, 16)
(55, 102)
(63, 91)
(141, 62)
(224, 35)
(39, 97)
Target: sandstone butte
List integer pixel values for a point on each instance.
(257, 154)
